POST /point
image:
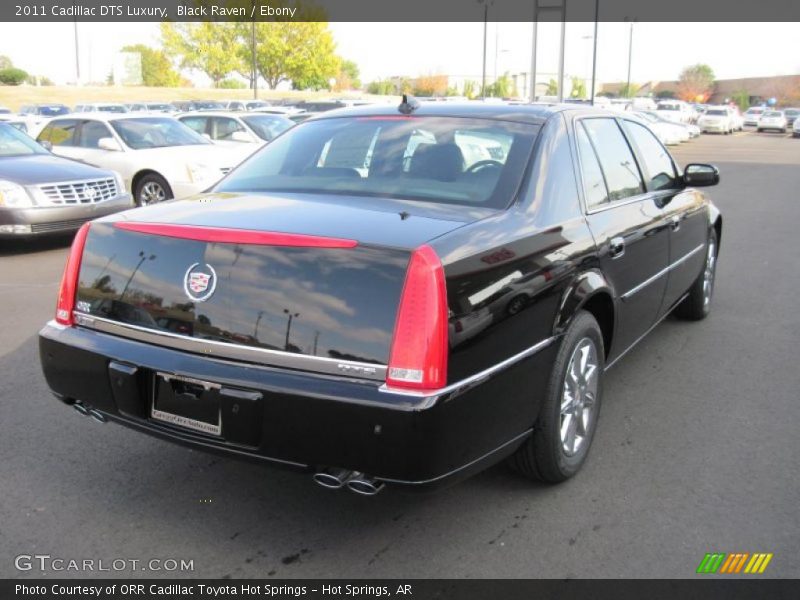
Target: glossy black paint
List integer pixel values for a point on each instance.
(515, 279)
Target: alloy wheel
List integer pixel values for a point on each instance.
(708, 274)
(579, 396)
(151, 193)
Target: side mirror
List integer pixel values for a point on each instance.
(108, 143)
(241, 136)
(46, 145)
(700, 175)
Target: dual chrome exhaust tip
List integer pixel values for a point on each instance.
(356, 482)
(88, 411)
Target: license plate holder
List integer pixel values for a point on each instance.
(187, 403)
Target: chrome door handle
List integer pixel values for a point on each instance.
(675, 223)
(616, 247)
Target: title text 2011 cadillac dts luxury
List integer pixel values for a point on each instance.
(391, 295)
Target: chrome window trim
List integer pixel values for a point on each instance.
(461, 386)
(263, 356)
(661, 273)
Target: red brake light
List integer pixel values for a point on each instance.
(69, 281)
(418, 359)
(235, 236)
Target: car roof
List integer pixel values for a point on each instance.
(109, 116)
(534, 114)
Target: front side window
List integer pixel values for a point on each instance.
(657, 162)
(91, 133)
(223, 128)
(616, 159)
(416, 158)
(156, 132)
(268, 127)
(196, 124)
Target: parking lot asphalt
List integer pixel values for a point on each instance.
(696, 449)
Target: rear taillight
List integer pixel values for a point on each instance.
(69, 281)
(418, 359)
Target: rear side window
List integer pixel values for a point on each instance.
(60, 133)
(594, 184)
(616, 159)
(657, 162)
(91, 133)
(223, 128)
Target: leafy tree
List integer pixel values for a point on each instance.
(742, 99)
(12, 76)
(302, 52)
(430, 85)
(470, 89)
(578, 88)
(210, 47)
(348, 77)
(5, 62)
(552, 88)
(157, 70)
(381, 87)
(696, 83)
(629, 91)
(39, 80)
(232, 84)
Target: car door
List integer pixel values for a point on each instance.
(684, 209)
(628, 225)
(87, 140)
(61, 134)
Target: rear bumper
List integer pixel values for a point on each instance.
(57, 219)
(308, 422)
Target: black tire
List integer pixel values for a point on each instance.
(543, 456)
(146, 191)
(516, 304)
(695, 306)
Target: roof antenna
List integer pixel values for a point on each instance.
(408, 104)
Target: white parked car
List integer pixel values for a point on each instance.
(237, 128)
(796, 128)
(158, 156)
(716, 119)
(773, 120)
(110, 107)
(670, 134)
(677, 111)
(245, 105)
(753, 114)
(737, 120)
(280, 110)
(151, 107)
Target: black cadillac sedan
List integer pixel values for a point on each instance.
(391, 295)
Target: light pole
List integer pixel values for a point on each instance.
(594, 48)
(630, 56)
(77, 57)
(486, 4)
(289, 326)
(253, 59)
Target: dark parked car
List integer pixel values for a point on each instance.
(361, 301)
(41, 193)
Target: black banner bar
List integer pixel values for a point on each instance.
(439, 589)
(399, 10)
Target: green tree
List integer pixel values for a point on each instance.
(628, 91)
(578, 88)
(5, 62)
(696, 83)
(742, 99)
(552, 88)
(12, 76)
(381, 87)
(210, 47)
(157, 69)
(349, 77)
(470, 89)
(302, 52)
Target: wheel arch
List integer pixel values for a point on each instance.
(716, 222)
(591, 292)
(144, 172)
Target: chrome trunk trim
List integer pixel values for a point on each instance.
(216, 349)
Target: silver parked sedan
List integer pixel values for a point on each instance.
(41, 193)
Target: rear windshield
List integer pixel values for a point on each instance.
(447, 160)
(716, 112)
(773, 113)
